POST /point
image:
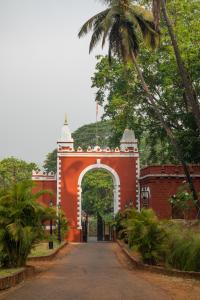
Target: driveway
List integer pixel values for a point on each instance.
(90, 271)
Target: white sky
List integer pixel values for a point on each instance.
(45, 71)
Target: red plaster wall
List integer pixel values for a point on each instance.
(46, 185)
(162, 188)
(71, 168)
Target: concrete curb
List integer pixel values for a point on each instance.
(157, 269)
(47, 257)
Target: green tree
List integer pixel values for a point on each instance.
(50, 163)
(93, 134)
(97, 191)
(124, 104)
(125, 25)
(190, 92)
(21, 222)
(84, 137)
(13, 170)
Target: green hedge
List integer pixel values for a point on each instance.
(160, 242)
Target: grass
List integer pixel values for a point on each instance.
(8, 272)
(42, 249)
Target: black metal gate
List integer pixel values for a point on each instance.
(105, 232)
(100, 228)
(84, 224)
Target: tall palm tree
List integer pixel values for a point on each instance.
(159, 6)
(125, 25)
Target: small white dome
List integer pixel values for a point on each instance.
(128, 136)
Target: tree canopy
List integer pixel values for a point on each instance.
(97, 191)
(84, 136)
(124, 100)
(13, 170)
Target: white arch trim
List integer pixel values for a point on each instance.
(116, 191)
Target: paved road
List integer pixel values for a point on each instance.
(90, 272)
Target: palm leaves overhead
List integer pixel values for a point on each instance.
(124, 25)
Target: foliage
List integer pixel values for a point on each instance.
(174, 244)
(147, 236)
(97, 191)
(121, 219)
(184, 249)
(13, 170)
(21, 219)
(64, 225)
(84, 137)
(125, 25)
(50, 163)
(183, 200)
(93, 134)
(125, 102)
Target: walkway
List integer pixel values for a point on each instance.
(90, 272)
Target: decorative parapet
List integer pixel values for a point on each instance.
(168, 171)
(43, 176)
(98, 149)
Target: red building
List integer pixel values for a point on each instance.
(156, 183)
(159, 183)
(122, 164)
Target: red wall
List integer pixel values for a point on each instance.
(163, 182)
(46, 185)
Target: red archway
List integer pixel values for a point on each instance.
(122, 163)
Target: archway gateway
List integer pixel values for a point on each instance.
(99, 203)
(122, 163)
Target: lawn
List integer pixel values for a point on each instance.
(42, 249)
(8, 272)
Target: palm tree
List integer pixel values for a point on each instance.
(21, 218)
(159, 6)
(125, 25)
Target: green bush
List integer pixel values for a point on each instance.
(175, 244)
(64, 225)
(146, 234)
(21, 222)
(121, 222)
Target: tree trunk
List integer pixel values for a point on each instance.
(167, 130)
(189, 89)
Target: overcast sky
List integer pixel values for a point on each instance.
(45, 71)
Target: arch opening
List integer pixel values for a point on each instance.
(111, 173)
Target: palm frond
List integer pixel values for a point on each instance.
(90, 23)
(108, 22)
(115, 40)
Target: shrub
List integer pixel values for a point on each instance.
(184, 246)
(145, 234)
(64, 225)
(21, 219)
(121, 223)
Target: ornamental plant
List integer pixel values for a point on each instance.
(183, 200)
(146, 234)
(21, 222)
